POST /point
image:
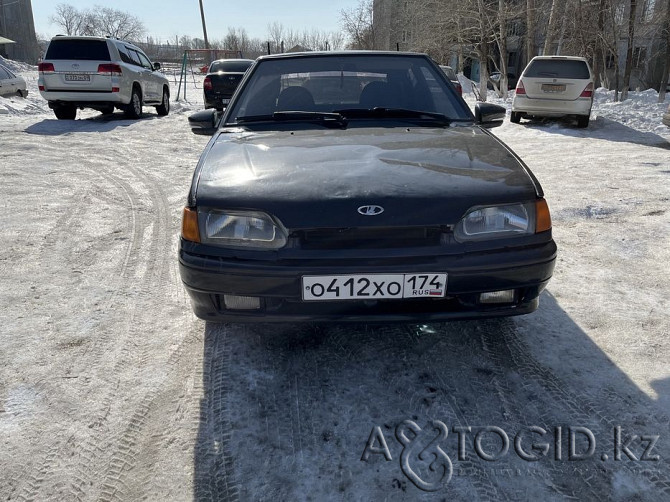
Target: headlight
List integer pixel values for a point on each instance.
(496, 222)
(249, 229)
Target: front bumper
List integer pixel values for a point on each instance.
(527, 270)
(551, 107)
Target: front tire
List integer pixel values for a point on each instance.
(164, 108)
(515, 117)
(65, 112)
(134, 108)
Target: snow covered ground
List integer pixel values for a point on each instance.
(110, 389)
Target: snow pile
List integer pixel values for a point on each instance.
(640, 111)
(17, 66)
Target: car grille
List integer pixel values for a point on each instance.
(370, 238)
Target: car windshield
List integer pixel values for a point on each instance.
(230, 66)
(347, 85)
(561, 68)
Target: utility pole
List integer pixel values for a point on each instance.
(204, 25)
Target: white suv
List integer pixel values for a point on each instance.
(555, 86)
(103, 74)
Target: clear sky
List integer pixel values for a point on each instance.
(165, 19)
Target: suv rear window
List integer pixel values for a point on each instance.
(87, 50)
(561, 68)
(232, 66)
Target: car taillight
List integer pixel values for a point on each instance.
(208, 84)
(109, 69)
(46, 68)
(520, 89)
(587, 92)
(459, 88)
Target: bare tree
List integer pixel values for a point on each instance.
(276, 33)
(336, 41)
(117, 23)
(70, 19)
(530, 29)
(100, 21)
(502, 46)
(357, 24)
(552, 26)
(629, 51)
(236, 40)
(666, 64)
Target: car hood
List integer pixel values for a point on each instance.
(319, 178)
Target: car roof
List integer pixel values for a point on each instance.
(81, 37)
(567, 58)
(242, 60)
(289, 55)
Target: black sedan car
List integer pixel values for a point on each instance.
(223, 77)
(358, 186)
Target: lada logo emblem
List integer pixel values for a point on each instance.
(370, 210)
(75, 65)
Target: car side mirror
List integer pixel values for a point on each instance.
(157, 66)
(489, 115)
(204, 122)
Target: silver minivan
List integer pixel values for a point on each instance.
(555, 86)
(103, 74)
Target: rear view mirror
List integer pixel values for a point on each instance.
(489, 115)
(157, 66)
(204, 122)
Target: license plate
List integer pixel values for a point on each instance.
(69, 77)
(373, 286)
(553, 87)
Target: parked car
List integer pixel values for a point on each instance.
(494, 79)
(555, 86)
(103, 74)
(666, 117)
(453, 78)
(223, 76)
(359, 186)
(11, 84)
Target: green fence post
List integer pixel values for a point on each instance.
(182, 75)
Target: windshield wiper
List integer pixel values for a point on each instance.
(401, 113)
(325, 118)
